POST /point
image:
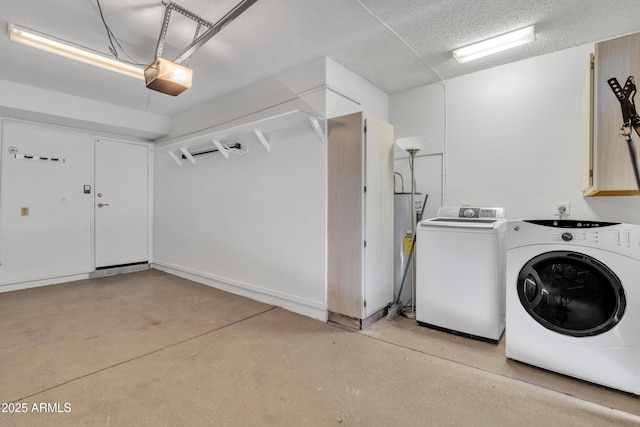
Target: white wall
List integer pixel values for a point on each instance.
(52, 239)
(256, 224)
(421, 112)
(513, 139)
(245, 225)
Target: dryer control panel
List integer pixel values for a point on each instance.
(612, 236)
(570, 223)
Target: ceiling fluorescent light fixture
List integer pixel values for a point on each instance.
(495, 44)
(52, 45)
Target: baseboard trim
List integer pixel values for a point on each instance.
(43, 282)
(292, 303)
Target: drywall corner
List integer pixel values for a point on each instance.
(348, 93)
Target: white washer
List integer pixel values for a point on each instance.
(460, 266)
(573, 299)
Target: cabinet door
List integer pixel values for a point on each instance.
(613, 171)
(345, 228)
(378, 215)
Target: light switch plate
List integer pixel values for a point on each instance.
(24, 211)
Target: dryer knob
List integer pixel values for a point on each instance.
(567, 237)
(468, 213)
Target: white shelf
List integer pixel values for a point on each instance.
(260, 131)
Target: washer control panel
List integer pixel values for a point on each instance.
(471, 212)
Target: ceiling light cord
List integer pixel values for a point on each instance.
(401, 39)
(113, 40)
(112, 48)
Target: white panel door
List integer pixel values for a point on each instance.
(121, 203)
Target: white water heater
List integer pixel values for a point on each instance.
(402, 241)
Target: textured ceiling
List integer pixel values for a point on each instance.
(395, 44)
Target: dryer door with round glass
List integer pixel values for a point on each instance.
(571, 293)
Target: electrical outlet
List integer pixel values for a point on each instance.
(562, 209)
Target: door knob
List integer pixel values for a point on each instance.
(102, 204)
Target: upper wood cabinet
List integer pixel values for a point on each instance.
(607, 164)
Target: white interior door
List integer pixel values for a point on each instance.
(121, 203)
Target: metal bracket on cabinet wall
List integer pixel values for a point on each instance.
(175, 158)
(220, 148)
(188, 155)
(262, 139)
(262, 131)
(315, 125)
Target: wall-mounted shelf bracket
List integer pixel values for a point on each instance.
(188, 155)
(220, 148)
(263, 140)
(234, 139)
(317, 128)
(175, 158)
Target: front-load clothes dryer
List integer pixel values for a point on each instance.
(460, 272)
(573, 299)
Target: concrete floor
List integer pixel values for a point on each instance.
(151, 349)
